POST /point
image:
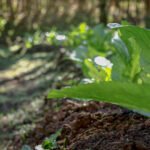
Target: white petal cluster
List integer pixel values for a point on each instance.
(103, 62)
(60, 37)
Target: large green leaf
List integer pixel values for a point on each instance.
(130, 95)
(134, 53)
(141, 44)
(142, 37)
(126, 61)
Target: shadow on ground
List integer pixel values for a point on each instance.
(25, 80)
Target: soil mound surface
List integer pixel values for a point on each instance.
(90, 126)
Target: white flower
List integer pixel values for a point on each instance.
(60, 37)
(102, 61)
(86, 80)
(39, 147)
(114, 25)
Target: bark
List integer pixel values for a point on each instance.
(103, 7)
(147, 15)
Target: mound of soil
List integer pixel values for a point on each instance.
(90, 126)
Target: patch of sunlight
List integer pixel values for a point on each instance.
(3, 90)
(14, 47)
(6, 88)
(40, 55)
(22, 66)
(25, 112)
(148, 75)
(40, 71)
(24, 128)
(2, 53)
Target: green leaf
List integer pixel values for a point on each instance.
(50, 143)
(129, 95)
(126, 61)
(26, 147)
(141, 37)
(134, 52)
(91, 71)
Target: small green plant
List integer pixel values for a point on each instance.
(2, 24)
(50, 143)
(26, 147)
(129, 79)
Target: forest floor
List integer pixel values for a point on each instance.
(27, 117)
(25, 80)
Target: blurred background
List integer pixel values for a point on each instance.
(35, 38)
(19, 16)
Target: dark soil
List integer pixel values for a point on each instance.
(89, 126)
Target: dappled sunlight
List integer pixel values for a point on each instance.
(22, 66)
(19, 116)
(31, 76)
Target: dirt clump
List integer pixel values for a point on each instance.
(90, 126)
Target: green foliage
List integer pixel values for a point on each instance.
(130, 73)
(96, 72)
(50, 143)
(126, 60)
(52, 37)
(78, 35)
(129, 95)
(2, 24)
(141, 46)
(133, 56)
(91, 42)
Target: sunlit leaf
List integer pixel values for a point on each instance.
(130, 95)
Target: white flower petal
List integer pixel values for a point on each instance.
(102, 61)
